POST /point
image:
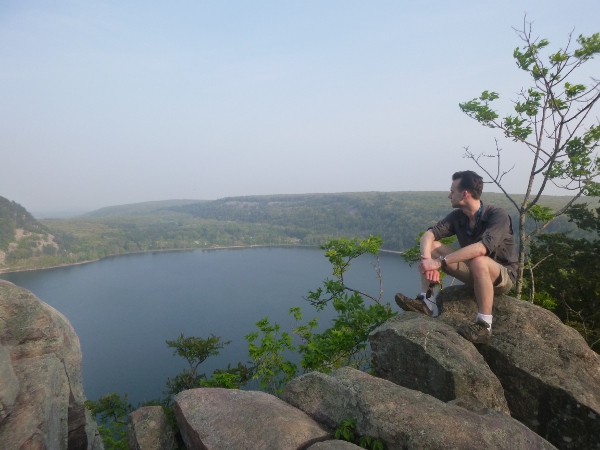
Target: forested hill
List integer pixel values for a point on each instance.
(397, 217)
(308, 219)
(136, 209)
(21, 236)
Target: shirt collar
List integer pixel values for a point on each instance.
(485, 212)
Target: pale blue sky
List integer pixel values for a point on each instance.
(113, 102)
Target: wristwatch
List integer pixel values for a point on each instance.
(443, 261)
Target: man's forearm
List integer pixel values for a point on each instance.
(426, 242)
(467, 253)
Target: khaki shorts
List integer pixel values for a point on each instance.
(502, 287)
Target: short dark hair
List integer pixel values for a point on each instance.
(469, 181)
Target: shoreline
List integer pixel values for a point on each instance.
(174, 250)
(153, 251)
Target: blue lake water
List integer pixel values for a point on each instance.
(123, 308)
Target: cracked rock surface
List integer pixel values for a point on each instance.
(403, 418)
(224, 419)
(550, 376)
(41, 391)
(427, 355)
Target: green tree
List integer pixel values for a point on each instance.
(195, 351)
(566, 278)
(552, 121)
(267, 348)
(345, 342)
(112, 412)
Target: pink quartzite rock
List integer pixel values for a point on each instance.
(48, 411)
(551, 377)
(403, 418)
(149, 429)
(225, 419)
(334, 445)
(9, 384)
(427, 355)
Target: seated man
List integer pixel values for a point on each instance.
(487, 259)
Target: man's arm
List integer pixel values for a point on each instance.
(427, 240)
(464, 254)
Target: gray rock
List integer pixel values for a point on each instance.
(424, 354)
(9, 384)
(224, 419)
(149, 429)
(403, 418)
(551, 377)
(48, 410)
(334, 445)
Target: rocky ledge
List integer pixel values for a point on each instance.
(41, 392)
(536, 385)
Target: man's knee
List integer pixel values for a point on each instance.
(479, 265)
(484, 266)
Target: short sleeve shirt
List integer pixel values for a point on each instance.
(494, 231)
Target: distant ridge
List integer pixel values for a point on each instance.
(300, 219)
(21, 235)
(136, 209)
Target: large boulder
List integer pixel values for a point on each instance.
(224, 419)
(149, 429)
(403, 418)
(334, 445)
(9, 384)
(551, 377)
(44, 370)
(427, 355)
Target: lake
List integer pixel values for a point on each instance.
(123, 308)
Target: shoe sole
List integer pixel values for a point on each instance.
(466, 337)
(401, 302)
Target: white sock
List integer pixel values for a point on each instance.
(487, 318)
(431, 305)
(426, 300)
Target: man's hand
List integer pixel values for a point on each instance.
(428, 264)
(429, 267)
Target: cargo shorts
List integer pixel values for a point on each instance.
(502, 286)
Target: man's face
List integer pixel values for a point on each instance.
(456, 195)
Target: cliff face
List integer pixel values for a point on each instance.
(22, 237)
(41, 391)
(536, 385)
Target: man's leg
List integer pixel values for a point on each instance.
(485, 272)
(422, 304)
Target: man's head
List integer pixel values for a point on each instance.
(463, 183)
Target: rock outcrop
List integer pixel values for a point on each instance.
(334, 445)
(41, 392)
(222, 419)
(149, 429)
(434, 389)
(427, 355)
(404, 418)
(550, 376)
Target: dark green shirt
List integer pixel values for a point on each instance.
(494, 231)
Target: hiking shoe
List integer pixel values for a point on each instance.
(413, 304)
(478, 332)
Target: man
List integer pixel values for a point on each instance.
(487, 259)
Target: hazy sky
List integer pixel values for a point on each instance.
(113, 102)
